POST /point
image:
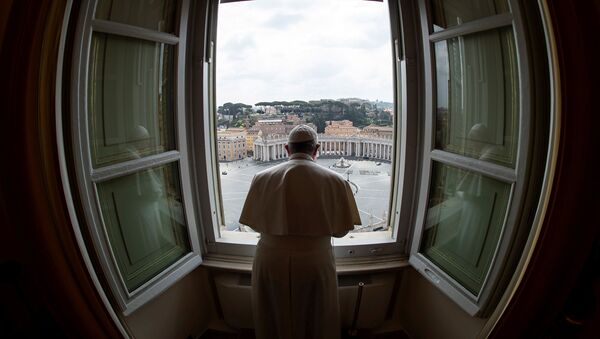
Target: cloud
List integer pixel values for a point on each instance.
(282, 20)
(285, 50)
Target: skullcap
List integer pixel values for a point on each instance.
(302, 133)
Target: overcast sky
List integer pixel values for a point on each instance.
(303, 50)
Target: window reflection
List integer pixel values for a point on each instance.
(152, 14)
(464, 221)
(477, 96)
(130, 98)
(144, 220)
(448, 13)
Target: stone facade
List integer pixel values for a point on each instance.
(231, 144)
(272, 148)
(341, 127)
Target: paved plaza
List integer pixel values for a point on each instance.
(370, 180)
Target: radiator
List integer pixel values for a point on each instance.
(233, 291)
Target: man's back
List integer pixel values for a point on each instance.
(300, 197)
(297, 206)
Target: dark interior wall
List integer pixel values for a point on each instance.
(570, 225)
(421, 305)
(46, 289)
(182, 311)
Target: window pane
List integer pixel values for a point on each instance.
(463, 224)
(478, 97)
(130, 98)
(144, 219)
(157, 15)
(447, 13)
(327, 64)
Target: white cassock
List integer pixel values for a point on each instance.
(297, 206)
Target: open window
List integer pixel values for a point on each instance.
(477, 147)
(445, 165)
(329, 64)
(130, 146)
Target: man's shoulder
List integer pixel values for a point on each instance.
(326, 172)
(299, 168)
(271, 170)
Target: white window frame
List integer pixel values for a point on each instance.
(87, 176)
(196, 151)
(473, 304)
(376, 244)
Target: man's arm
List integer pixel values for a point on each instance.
(247, 217)
(353, 217)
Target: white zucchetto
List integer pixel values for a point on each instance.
(302, 133)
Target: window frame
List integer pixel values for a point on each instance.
(197, 146)
(481, 303)
(402, 192)
(88, 177)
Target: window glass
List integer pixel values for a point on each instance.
(152, 14)
(144, 220)
(464, 220)
(478, 97)
(327, 64)
(130, 98)
(448, 13)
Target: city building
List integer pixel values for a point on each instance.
(340, 127)
(231, 144)
(386, 132)
(271, 148)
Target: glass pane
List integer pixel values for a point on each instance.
(464, 220)
(335, 77)
(447, 13)
(130, 98)
(143, 216)
(156, 15)
(478, 96)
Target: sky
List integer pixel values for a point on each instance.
(287, 50)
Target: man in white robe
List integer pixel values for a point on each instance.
(297, 207)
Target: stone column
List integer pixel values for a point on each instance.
(268, 151)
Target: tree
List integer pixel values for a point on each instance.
(232, 109)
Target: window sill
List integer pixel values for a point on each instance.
(343, 265)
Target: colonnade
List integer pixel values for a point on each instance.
(269, 149)
(349, 146)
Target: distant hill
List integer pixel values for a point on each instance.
(383, 104)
